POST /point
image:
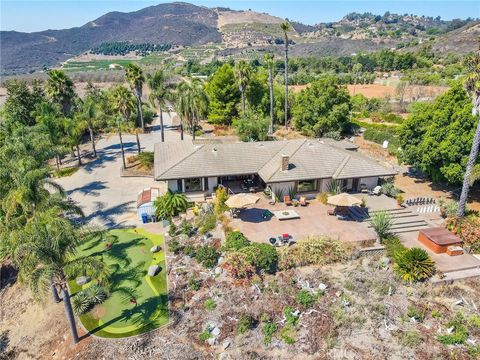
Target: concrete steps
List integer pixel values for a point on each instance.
(452, 276)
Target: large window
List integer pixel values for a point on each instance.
(193, 184)
(306, 186)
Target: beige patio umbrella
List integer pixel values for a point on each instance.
(343, 199)
(241, 200)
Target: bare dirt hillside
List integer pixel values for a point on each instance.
(245, 17)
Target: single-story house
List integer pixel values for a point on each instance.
(306, 165)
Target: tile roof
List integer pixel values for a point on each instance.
(308, 159)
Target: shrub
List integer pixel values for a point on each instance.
(145, 159)
(448, 208)
(417, 314)
(468, 229)
(382, 223)
(220, 198)
(306, 298)
(291, 318)
(84, 300)
(172, 230)
(323, 197)
(262, 256)
(287, 335)
(209, 223)
(393, 246)
(189, 250)
(411, 339)
(335, 187)
(204, 335)
(414, 265)
(245, 324)
(459, 334)
(174, 246)
(311, 251)
(81, 303)
(238, 266)
(269, 328)
(389, 189)
(186, 228)
(399, 199)
(207, 255)
(194, 284)
(170, 204)
(209, 304)
(236, 241)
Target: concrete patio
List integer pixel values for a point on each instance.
(313, 221)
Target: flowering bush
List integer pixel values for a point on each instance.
(468, 229)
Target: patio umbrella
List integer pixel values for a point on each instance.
(343, 199)
(241, 200)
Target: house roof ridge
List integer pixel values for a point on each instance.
(341, 166)
(300, 144)
(195, 149)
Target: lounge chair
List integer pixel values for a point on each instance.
(303, 201)
(287, 200)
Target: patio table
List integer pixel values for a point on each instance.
(286, 214)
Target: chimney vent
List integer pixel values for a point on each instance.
(285, 162)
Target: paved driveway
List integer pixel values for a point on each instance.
(106, 198)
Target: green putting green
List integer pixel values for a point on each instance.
(128, 258)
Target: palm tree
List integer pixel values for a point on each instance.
(74, 130)
(89, 117)
(46, 259)
(191, 103)
(60, 89)
(285, 27)
(50, 121)
(160, 94)
(472, 85)
(135, 78)
(270, 62)
(123, 104)
(243, 72)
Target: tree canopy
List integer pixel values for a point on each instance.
(437, 136)
(322, 108)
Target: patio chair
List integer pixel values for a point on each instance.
(331, 212)
(272, 240)
(377, 190)
(342, 217)
(287, 200)
(303, 201)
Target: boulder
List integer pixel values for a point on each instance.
(156, 249)
(216, 331)
(225, 344)
(384, 261)
(153, 270)
(82, 280)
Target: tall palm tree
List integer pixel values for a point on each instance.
(191, 103)
(46, 259)
(59, 88)
(135, 78)
(50, 121)
(160, 93)
(89, 117)
(472, 85)
(123, 104)
(74, 131)
(270, 62)
(243, 72)
(286, 27)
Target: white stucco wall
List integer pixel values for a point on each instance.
(324, 184)
(369, 182)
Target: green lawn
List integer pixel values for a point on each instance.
(128, 259)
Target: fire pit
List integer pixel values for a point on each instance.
(286, 214)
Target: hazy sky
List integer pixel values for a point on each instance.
(36, 15)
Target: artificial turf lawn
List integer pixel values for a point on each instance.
(128, 259)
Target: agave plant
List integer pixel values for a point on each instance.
(382, 223)
(81, 303)
(335, 187)
(414, 265)
(96, 294)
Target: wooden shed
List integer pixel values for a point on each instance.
(438, 239)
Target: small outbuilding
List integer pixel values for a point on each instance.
(438, 239)
(145, 199)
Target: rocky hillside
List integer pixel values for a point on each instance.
(182, 24)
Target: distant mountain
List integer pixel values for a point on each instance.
(175, 23)
(183, 24)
